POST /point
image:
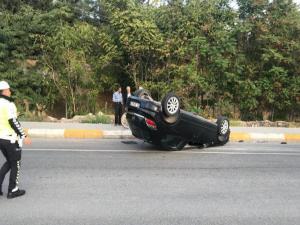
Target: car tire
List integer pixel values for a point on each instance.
(223, 130)
(170, 105)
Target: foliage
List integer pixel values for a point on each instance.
(219, 60)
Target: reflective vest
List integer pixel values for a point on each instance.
(8, 111)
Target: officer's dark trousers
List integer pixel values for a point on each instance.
(12, 154)
(118, 113)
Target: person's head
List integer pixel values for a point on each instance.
(119, 89)
(128, 89)
(5, 88)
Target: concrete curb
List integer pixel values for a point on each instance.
(115, 134)
(251, 136)
(78, 133)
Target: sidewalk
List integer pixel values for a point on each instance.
(84, 130)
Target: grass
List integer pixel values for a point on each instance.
(239, 123)
(236, 123)
(30, 118)
(294, 124)
(98, 119)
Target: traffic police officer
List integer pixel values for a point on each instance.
(11, 139)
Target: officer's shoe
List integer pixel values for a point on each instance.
(15, 194)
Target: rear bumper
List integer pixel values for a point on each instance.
(139, 127)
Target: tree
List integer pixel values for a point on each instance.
(270, 44)
(137, 36)
(66, 58)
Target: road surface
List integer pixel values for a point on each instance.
(128, 182)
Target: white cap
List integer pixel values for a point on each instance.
(4, 85)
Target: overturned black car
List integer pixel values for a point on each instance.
(165, 124)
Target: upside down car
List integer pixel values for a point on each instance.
(165, 124)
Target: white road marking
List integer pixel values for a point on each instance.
(266, 136)
(250, 153)
(169, 152)
(84, 150)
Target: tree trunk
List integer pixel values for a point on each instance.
(74, 104)
(197, 97)
(266, 114)
(66, 109)
(26, 103)
(202, 101)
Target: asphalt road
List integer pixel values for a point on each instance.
(126, 182)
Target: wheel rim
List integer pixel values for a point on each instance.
(224, 127)
(124, 121)
(172, 105)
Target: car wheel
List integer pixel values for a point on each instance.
(124, 121)
(143, 93)
(223, 130)
(170, 105)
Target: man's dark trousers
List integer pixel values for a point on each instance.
(118, 113)
(12, 154)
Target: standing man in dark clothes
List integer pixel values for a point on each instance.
(118, 102)
(128, 94)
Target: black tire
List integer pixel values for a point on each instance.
(170, 105)
(223, 130)
(142, 93)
